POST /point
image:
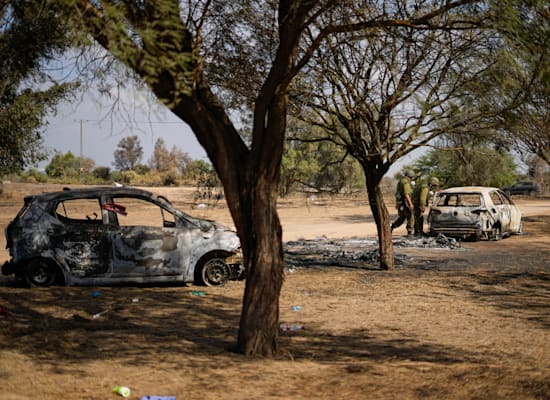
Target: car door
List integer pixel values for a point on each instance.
(515, 213)
(502, 211)
(81, 238)
(146, 240)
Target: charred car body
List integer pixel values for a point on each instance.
(99, 236)
(474, 212)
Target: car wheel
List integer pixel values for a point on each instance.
(496, 233)
(214, 272)
(40, 273)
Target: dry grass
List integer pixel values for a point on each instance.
(450, 324)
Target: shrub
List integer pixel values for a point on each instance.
(103, 173)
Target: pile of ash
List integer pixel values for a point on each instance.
(354, 252)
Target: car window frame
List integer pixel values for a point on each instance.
(68, 220)
(116, 197)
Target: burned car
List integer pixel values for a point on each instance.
(474, 212)
(107, 235)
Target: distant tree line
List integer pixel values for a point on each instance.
(164, 168)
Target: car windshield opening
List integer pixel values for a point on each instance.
(460, 200)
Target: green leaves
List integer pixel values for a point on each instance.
(28, 38)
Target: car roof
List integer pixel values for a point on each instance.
(469, 189)
(68, 193)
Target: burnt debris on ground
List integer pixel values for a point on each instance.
(354, 252)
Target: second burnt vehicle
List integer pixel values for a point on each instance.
(105, 235)
(474, 212)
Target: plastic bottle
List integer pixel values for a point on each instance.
(122, 391)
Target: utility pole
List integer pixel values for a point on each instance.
(81, 152)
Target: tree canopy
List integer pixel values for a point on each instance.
(29, 37)
(516, 88)
(128, 153)
(463, 161)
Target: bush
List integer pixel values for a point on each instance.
(170, 178)
(151, 179)
(142, 169)
(103, 173)
(33, 176)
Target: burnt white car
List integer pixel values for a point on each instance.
(474, 212)
(107, 235)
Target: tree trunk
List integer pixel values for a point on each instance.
(381, 217)
(249, 173)
(261, 239)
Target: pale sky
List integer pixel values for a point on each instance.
(102, 131)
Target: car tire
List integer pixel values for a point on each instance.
(213, 272)
(40, 273)
(496, 233)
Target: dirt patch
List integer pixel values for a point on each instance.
(454, 323)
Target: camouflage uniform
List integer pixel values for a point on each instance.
(421, 196)
(404, 208)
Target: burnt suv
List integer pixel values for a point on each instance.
(474, 212)
(105, 235)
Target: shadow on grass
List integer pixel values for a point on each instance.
(360, 345)
(519, 294)
(172, 326)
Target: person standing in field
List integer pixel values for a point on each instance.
(404, 204)
(421, 196)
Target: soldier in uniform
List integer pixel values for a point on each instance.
(421, 196)
(403, 203)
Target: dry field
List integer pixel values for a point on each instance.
(467, 323)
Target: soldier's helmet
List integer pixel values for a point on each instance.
(434, 181)
(409, 173)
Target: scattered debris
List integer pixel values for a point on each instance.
(198, 293)
(354, 252)
(96, 316)
(439, 241)
(291, 327)
(122, 391)
(296, 308)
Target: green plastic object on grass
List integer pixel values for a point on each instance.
(122, 391)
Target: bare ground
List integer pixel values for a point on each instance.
(467, 323)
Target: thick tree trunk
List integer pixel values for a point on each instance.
(382, 219)
(261, 239)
